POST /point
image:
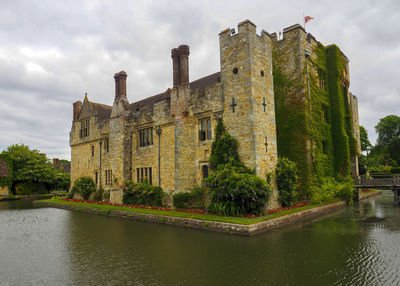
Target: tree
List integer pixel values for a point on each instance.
(388, 130)
(365, 144)
(29, 165)
(224, 150)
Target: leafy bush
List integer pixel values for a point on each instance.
(98, 195)
(143, 194)
(25, 188)
(233, 192)
(84, 186)
(286, 178)
(195, 199)
(327, 190)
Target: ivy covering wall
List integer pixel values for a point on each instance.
(316, 134)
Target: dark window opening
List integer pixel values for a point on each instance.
(146, 137)
(205, 171)
(144, 174)
(235, 70)
(205, 129)
(321, 79)
(84, 132)
(106, 145)
(325, 147)
(262, 73)
(96, 177)
(108, 174)
(92, 151)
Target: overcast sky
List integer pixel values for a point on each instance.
(52, 52)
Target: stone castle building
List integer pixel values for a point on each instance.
(167, 138)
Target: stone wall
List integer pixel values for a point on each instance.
(3, 191)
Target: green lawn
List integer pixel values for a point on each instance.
(209, 217)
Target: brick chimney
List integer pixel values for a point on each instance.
(77, 106)
(180, 65)
(56, 163)
(120, 84)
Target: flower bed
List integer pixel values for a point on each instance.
(195, 211)
(297, 205)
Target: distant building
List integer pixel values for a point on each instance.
(286, 96)
(5, 178)
(61, 165)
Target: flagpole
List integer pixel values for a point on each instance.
(304, 19)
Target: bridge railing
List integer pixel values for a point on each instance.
(377, 182)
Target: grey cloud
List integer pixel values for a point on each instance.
(81, 44)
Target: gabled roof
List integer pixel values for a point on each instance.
(4, 172)
(104, 111)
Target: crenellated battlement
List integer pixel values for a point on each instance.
(245, 27)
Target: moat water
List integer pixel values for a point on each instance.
(359, 245)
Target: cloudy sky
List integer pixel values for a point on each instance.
(52, 52)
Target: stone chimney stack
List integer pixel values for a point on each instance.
(184, 64)
(76, 109)
(180, 64)
(120, 84)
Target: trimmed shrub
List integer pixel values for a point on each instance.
(286, 178)
(143, 194)
(195, 199)
(84, 186)
(224, 150)
(235, 193)
(25, 189)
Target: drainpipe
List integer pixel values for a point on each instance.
(159, 131)
(100, 164)
(307, 55)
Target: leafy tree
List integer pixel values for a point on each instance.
(29, 165)
(365, 144)
(388, 130)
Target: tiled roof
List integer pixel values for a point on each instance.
(4, 172)
(150, 100)
(203, 82)
(103, 111)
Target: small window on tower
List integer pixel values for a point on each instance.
(205, 129)
(262, 73)
(235, 70)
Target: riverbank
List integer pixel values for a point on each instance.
(29, 197)
(363, 195)
(225, 224)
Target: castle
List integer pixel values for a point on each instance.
(284, 96)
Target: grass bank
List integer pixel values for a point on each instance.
(205, 217)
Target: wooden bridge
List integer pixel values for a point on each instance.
(388, 183)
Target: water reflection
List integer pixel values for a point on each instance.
(359, 245)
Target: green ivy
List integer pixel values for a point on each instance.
(323, 125)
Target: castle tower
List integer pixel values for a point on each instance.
(249, 111)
